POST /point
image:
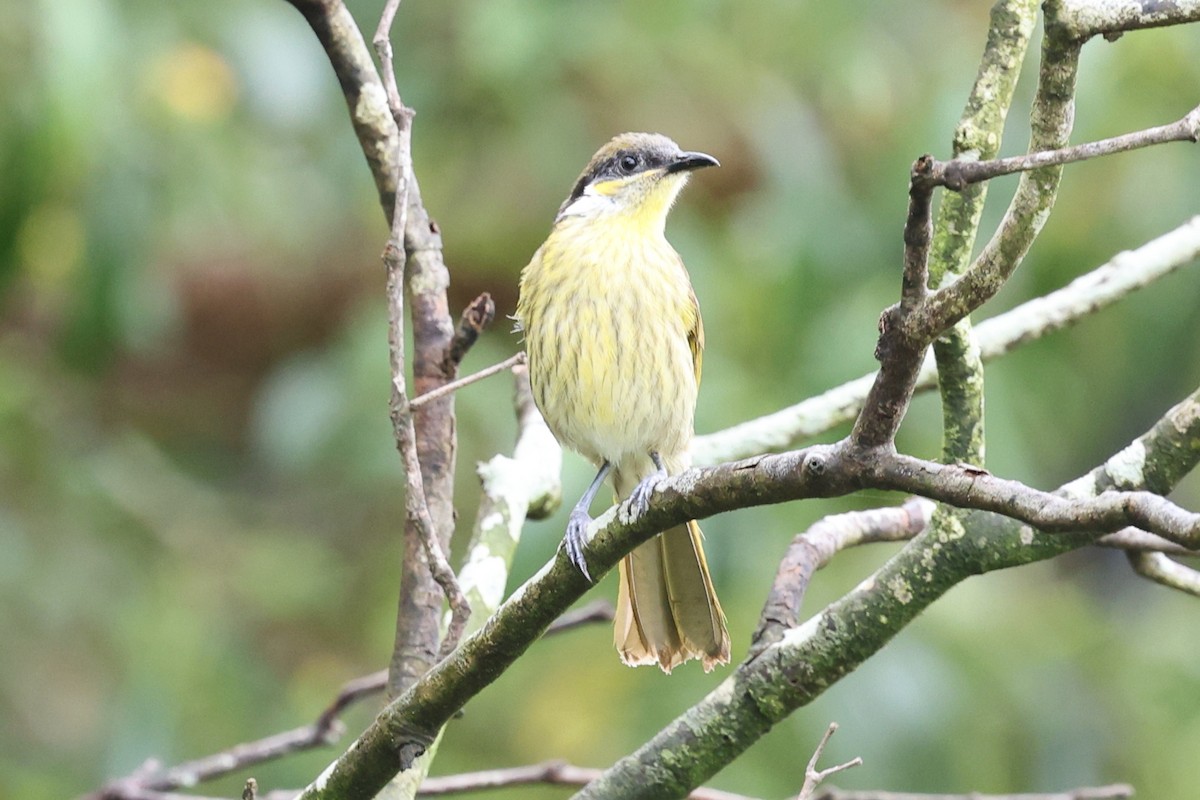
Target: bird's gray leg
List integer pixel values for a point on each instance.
(639, 498)
(576, 537)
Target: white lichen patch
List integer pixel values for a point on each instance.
(1185, 416)
(794, 637)
(1081, 487)
(1026, 535)
(927, 556)
(318, 785)
(685, 482)
(372, 104)
(900, 590)
(1128, 467)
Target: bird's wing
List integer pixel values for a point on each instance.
(696, 337)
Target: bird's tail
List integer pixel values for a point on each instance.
(667, 609)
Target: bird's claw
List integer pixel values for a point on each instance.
(639, 498)
(576, 539)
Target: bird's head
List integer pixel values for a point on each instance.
(635, 174)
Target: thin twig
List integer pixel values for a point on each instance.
(1135, 540)
(1162, 569)
(325, 731)
(814, 777)
(959, 173)
(599, 611)
(383, 48)
(557, 773)
(1117, 791)
(454, 386)
(816, 547)
(416, 507)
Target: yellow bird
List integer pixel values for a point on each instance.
(613, 333)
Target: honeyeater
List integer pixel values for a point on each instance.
(614, 338)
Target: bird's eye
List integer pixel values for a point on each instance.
(629, 163)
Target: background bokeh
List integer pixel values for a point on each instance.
(199, 494)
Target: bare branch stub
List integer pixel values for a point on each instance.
(918, 232)
(476, 318)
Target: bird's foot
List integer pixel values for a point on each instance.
(576, 539)
(639, 498)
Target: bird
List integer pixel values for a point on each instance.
(614, 344)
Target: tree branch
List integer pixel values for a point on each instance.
(895, 595)
(1122, 275)
(977, 136)
(765, 689)
(1051, 121)
(1083, 19)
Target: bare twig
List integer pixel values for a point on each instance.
(415, 506)
(476, 317)
(816, 547)
(383, 48)
(550, 772)
(814, 777)
(1118, 791)
(1133, 539)
(325, 731)
(454, 386)
(599, 611)
(959, 173)
(420, 520)
(1161, 568)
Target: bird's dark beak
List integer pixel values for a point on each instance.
(686, 162)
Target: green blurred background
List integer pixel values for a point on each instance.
(199, 494)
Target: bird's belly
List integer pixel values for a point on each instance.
(622, 381)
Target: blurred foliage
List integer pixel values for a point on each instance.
(198, 489)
